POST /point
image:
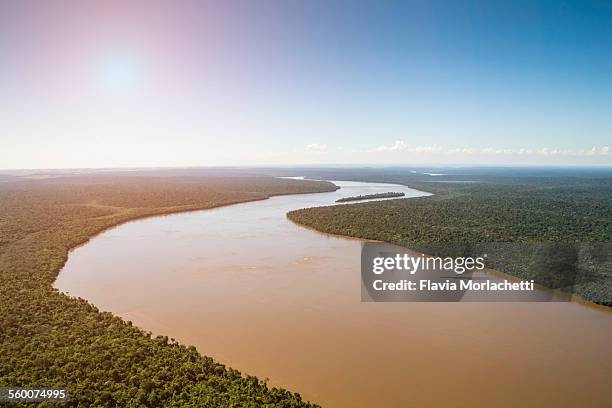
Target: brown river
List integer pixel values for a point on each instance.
(260, 294)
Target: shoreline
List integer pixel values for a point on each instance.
(573, 297)
(234, 353)
(328, 234)
(167, 211)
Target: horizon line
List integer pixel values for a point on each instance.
(303, 165)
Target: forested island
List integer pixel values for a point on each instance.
(369, 197)
(559, 218)
(50, 339)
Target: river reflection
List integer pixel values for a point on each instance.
(269, 298)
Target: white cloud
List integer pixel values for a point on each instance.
(402, 146)
(398, 145)
(462, 150)
(429, 149)
(594, 151)
(317, 147)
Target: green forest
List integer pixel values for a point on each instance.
(482, 210)
(50, 339)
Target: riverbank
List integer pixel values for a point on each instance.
(43, 221)
(573, 296)
(534, 214)
(281, 302)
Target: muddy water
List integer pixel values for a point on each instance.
(258, 293)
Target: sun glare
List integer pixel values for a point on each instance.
(119, 73)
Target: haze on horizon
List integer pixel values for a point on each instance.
(201, 83)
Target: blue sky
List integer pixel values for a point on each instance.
(263, 82)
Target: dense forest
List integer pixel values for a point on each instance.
(50, 339)
(369, 197)
(484, 210)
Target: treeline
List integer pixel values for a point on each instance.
(49, 339)
(526, 210)
(369, 197)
